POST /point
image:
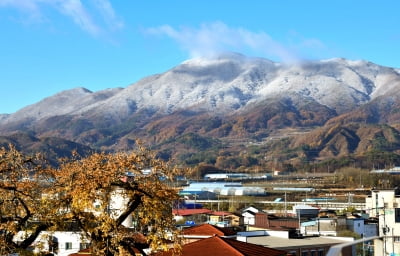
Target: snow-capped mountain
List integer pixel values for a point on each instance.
(335, 107)
(225, 85)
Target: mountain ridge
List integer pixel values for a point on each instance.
(229, 98)
(246, 75)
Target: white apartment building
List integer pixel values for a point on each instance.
(384, 204)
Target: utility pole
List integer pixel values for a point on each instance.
(384, 229)
(285, 205)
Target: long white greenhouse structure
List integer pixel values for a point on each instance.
(223, 188)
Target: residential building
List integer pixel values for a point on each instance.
(356, 224)
(225, 219)
(249, 215)
(270, 221)
(324, 226)
(61, 243)
(384, 204)
(190, 217)
(304, 210)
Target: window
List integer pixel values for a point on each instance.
(397, 214)
(83, 246)
(304, 253)
(68, 245)
(320, 252)
(396, 239)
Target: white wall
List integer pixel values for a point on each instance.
(382, 204)
(41, 244)
(248, 218)
(118, 204)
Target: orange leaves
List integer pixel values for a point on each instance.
(99, 193)
(23, 180)
(111, 187)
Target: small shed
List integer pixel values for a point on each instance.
(304, 210)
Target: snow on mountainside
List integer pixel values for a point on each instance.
(221, 85)
(230, 82)
(224, 85)
(3, 116)
(65, 102)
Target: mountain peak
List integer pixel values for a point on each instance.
(223, 84)
(62, 103)
(223, 58)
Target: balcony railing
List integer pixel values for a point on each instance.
(336, 250)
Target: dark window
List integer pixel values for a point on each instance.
(68, 245)
(397, 214)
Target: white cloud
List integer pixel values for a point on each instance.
(76, 11)
(80, 12)
(29, 7)
(108, 14)
(308, 47)
(212, 38)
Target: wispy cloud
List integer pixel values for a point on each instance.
(212, 38)
(77, 12)
(29, 7)
(108, 14)
(95, 17)
(308, 48)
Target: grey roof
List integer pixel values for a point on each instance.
(286, 243)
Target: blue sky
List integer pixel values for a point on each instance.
(47, 46)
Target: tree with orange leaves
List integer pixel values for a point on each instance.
(121, 202)
(22, 181)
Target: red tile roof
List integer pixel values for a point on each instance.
(188, 212)
(218, 246)
(208, 230)
(221, 213)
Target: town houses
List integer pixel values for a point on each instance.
(304, 230)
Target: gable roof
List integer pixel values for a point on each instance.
(218, 246)
(251, 209)
(208, 230)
